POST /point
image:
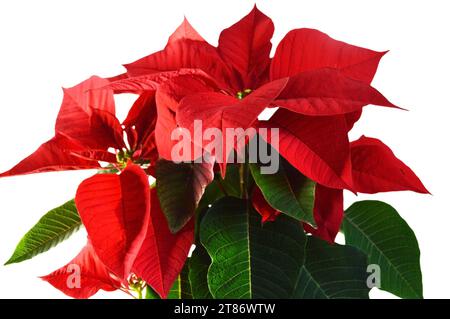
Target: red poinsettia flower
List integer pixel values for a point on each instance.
(128, 234)
(118, 211)
(86, 128)
(320, 85)
(230, 85)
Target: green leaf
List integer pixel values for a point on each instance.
(53, 228)
(198, 270)
(275, 260)
(304, 190)
(181, 288)
(248, 260)
(287, 190)
(378, 230)
(332, 272)
(231, 183)
(180, 188)
(229, 186)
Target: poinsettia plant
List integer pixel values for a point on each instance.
(252, 214)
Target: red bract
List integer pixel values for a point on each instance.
(322, 142)
(84, 123)
(328, 212)
(115, 210)
(52, 156)
(308, 49)
(83, 276)
(376, 169)
(185, 49)
(163, 253)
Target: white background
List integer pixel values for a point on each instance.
(48, 44)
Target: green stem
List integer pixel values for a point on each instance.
(241, 179)
(244, 175)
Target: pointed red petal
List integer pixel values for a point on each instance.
(165, 125)
(88, 115)
(307, 49)
(115, 211)
(267, 212)
(151, 82)
(163, 254)
(246, 46)
(328, 213)
(83, 276)
(182, 84)
(143, 110)
(328, 92)
(54, 155)
(376, 169)
(317, 146)
(149, 149)
(185, 49)
(185, 32)
(141, 119)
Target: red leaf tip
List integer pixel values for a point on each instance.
(185, 31)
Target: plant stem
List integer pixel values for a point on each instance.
(241, 179)
(243, 174)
